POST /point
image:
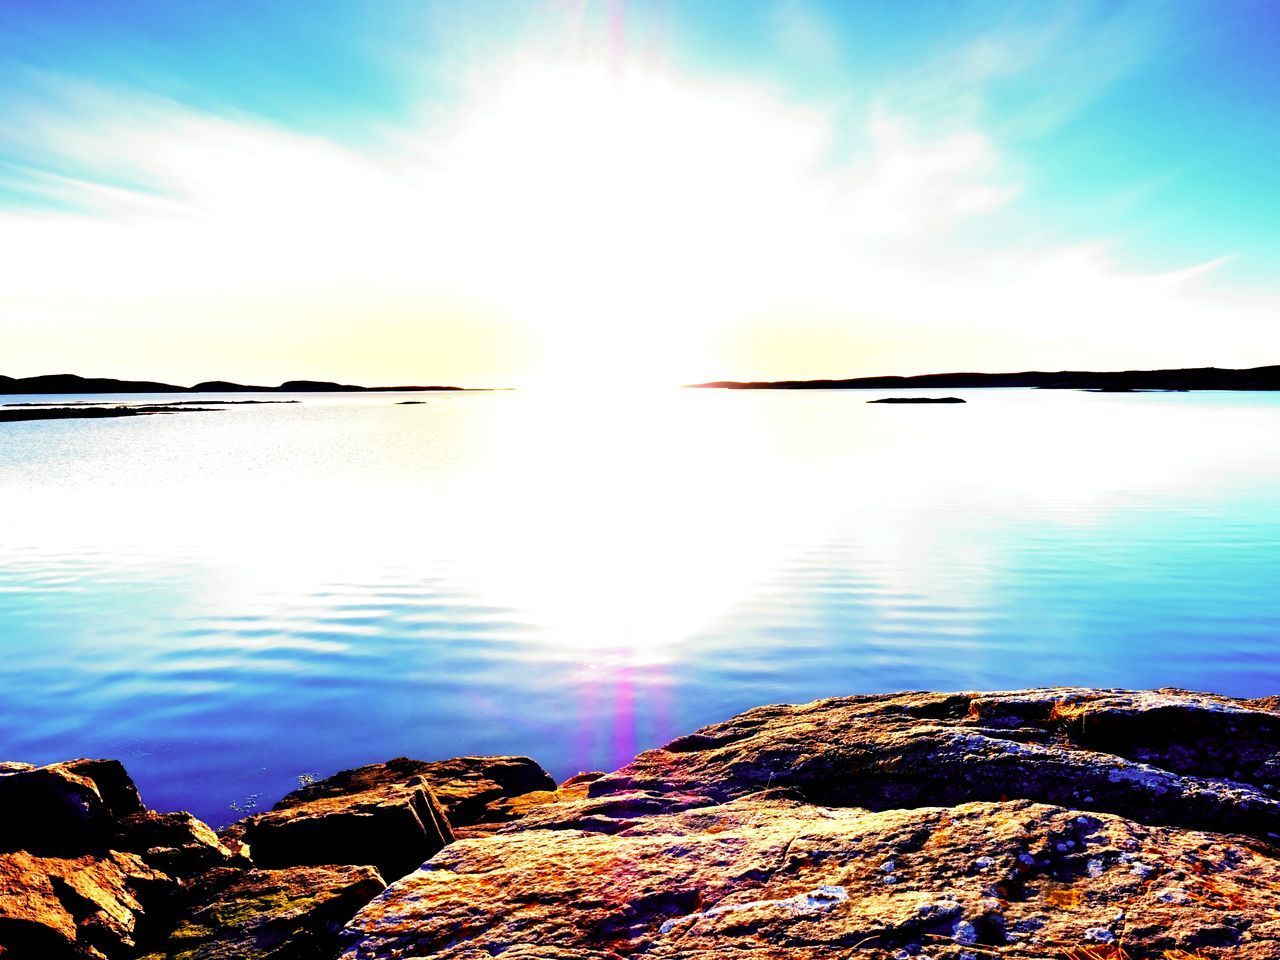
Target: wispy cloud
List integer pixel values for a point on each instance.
(566, 213)
(1032, 68)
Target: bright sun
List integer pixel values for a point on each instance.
(616, 212)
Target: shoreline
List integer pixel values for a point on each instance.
(70, 383)
(1251, 379)
(1264, 378)
(950, 825)
(32, 412)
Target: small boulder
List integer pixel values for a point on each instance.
(465, 786)
(114, 784)
(394, 827)
(394, 815)
(176, 843)
(69, 807)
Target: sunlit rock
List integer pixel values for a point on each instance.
(954, 826)
(87, 870)
(87, 907)
(1167, 756)
(763, 876)
(177, 843)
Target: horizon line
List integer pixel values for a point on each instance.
(1262, 377)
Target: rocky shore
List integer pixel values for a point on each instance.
(11, 414)
(1040, 824)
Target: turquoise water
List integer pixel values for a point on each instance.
(227, 601)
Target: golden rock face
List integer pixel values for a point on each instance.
(1027, 824)
(768, 877)
(1055, 824)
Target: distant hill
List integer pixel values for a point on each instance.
(1195, 378)
(70, 383)
(57, 383)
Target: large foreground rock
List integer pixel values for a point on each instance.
(765, 876)
(919, 825)
(88, 872)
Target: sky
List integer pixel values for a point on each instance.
(632, 193)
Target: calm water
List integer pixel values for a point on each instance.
(229, 600)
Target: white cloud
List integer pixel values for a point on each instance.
(566, 215)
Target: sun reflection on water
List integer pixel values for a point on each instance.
(616, 523)
(578, 574)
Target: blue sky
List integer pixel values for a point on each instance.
(1140, 139)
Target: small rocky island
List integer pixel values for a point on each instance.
(1041, 824)
(12, 413)
(917, 400)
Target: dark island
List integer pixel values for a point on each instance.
(1048, 824)
(1195, 378)
(22, 412)
(1125, 381)
(71, 383)
(917, 400)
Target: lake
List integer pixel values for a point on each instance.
(228, 601)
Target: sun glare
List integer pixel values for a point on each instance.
(569, 218)
(612, 208)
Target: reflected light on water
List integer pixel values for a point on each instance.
(622, 522)
(229, 599)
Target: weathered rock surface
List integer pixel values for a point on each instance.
(1167, 757)
(764, 876)
(500, 812)
(393, 815)
(912, 825)
(292, 914)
